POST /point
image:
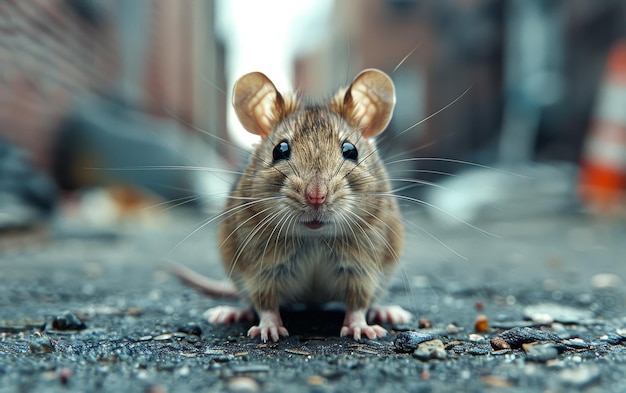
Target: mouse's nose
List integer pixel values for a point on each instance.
(316, 193)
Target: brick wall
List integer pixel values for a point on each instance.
(50, 51)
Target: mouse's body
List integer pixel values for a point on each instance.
(312, 218)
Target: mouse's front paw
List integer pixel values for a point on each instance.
(370, 331)
(389, 314)
(270, 325)
(355, 324)
(227, 314)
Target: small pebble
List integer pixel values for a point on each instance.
(424, 323)
(452, 329)
(191, 328)
(243, 385)
(481, 324)
(577, 343)
(476, 337)
(67, 321)
(409, 341)
(498, 343)
(40, 344)
(612, 338)
(517, 336)
(432, 349)
(316, 380)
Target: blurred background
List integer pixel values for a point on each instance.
(117, 110)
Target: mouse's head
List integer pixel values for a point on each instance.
(319, 160)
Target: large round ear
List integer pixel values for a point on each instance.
(369, 101)
(257, 103)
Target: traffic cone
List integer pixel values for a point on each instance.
(602, 184)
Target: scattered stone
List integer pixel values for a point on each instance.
(409, 341)
(164, 337)
(424, 323)
(243, 385)
(577, 343)
(67, 321)
(316, 380)
(540, 353)
(547, 313)
(580, 377)
(499, 343)
(452, 329)
(479, 350)
(612, 338)
(191, 328)
(40, 344)
(476, 337)
(432, 349)
(517, 336)
(481, 324)
(606, 281)
(297, 351)
(479, 306)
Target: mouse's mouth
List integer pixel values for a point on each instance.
(314, 224)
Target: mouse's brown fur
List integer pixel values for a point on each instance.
(313, 226)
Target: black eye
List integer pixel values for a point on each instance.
(282, 151)
(349, 151)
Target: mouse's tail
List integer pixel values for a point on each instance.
(211, 287)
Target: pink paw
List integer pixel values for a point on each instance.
(270, 325)
(228, 314)
(370, 331)
(389, 314)
(355, 324)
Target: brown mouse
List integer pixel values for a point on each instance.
(312, 219)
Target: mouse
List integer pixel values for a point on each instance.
(312, 218)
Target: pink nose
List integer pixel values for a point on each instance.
(316, 193)
(316, 199)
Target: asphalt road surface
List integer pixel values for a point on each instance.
(536, 305)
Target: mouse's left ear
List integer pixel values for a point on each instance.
(368, 103)
(258, 105)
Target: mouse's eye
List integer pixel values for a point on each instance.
(282, 151)
(349, 151)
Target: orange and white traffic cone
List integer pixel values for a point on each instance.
(602, 185)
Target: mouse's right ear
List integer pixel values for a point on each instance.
(258, 105)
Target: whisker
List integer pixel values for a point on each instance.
(462, 162)
(421, 202)
(212, 84)
(434, 114)
(406, 57)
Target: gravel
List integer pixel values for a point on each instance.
(99, 314)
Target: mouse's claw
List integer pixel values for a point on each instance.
(270, 326)
(389, 314)
(355, 324)
(370, 331)
(227, 314)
